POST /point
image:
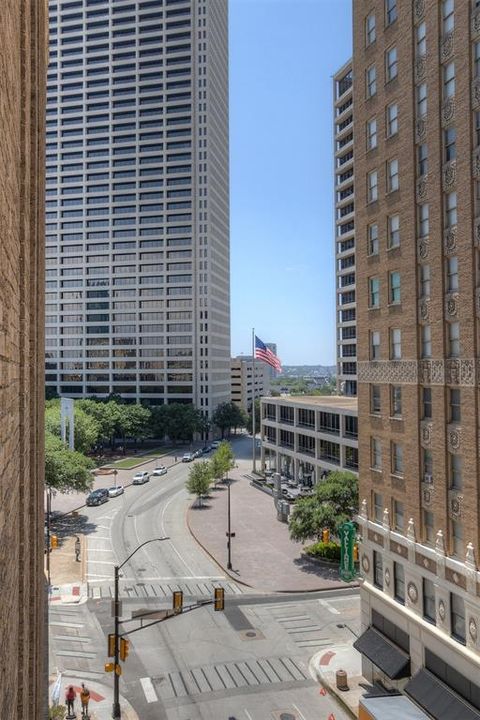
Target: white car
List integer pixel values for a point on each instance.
(140, 477)
(215, 444)
(116, 490)
(188, 457)
(160, 470)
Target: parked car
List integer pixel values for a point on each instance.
(116, 490)
(140, 477)
(160, 470)
(215, 444)
(188, 457)
(197, 453)
(206, 449)
(97, 497)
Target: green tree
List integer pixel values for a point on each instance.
(182, 421)
(222, 461)
(227, 416)
(134, 421)
(107, 415)
(199, 480)
(66, 470)
(87, 429)
(258, 423)
(335, 500)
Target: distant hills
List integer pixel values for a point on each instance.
(308, 371)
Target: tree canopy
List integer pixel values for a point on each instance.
(335, 500)
(222, 461)
(228, 416)
(199, 480)
(66, 470)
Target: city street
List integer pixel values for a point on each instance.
(250, 662)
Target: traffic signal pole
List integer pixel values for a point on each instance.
(116, 677)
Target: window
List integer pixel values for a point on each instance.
(422, 100)
(426, 403)
(455, 414)
(390, 11)
(375, 345)
(371, 81)
(454, 339)
(455, 466)
(452, 274)
(395, 344)
(399, 582)
(392, 119)
(394, 287)
(447, 16)
(422, 159)
(375, 399)
(392, 176)
(423, 220)
(427, 465)
(374, 292)
(424, 281)
(393, 231)
(457, 538)
(391, 64)
(429, 601)
(449, 144)
(396, 400)
(377, 498)
(449, 80)
(397, 459)
(428, 527)
(372, 134)
(372, 186)
(457, 617)
(421, 39)
(372, 233)
(426, 341)
(370, 29)
(450, 209)
(378, 569)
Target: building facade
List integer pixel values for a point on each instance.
(304, 437)
(417, 144)
(23, 54)
(346, 328)
(137, 217)
(243, 381)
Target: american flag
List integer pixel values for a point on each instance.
(262, 352)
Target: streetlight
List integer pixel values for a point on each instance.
(116, 712)
(49, 511)
(230, 535)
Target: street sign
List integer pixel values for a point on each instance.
(347, 541)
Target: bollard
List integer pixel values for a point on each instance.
(341, 680)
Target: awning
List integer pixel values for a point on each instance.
(384, 654)
(391, 707)
(438, 699)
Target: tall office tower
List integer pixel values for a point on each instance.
(23, 58)
(417, 149)
(346, 329)
(138, 201)
(271, 372)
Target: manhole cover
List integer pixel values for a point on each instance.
(140, 584)
(287, 716)
(250, 633)
(340, 625)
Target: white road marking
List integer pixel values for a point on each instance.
(57, 623)
(102, 577)
(102, 562)
(248, 714)
(149, 690)
(302, 716)
(176, 577)
(329, 607)
(94, 550)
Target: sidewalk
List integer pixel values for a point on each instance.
(325, 664)
(101, 697)
(263, 556)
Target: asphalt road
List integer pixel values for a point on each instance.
(248, 663)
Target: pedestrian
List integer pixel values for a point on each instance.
(77, 549)
(84, 699)
(70, 696)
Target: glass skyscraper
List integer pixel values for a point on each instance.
(137, 216)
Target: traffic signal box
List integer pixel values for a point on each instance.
(177, 601)
(124, 649)
(326, 535)
(111, 645)
(219, 602)
(53, 541)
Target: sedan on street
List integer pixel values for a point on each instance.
(188, 457)
(160, 470)
(116, 490)
(140, 477)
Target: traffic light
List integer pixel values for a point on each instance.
(326, 535)
(124, 649)
(53, 541)
(219, 598)
(177, 601)
(109, 667)
(355, 553)
(111, 645)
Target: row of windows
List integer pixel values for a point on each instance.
(453, 346)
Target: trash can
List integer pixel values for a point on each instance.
(341, 680)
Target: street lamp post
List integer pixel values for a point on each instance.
(230, 535)
(116, 711)
(49, 511)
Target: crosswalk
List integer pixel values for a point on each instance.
(230, 676)
(305, 629)
(193, 588)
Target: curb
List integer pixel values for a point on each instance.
(317, 675)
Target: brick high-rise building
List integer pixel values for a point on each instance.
(23, 58)
(137, 231)
(417, 184)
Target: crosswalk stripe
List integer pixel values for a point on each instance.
(148, 689)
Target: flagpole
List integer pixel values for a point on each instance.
(254, 448)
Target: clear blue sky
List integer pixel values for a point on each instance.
(282, 56)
